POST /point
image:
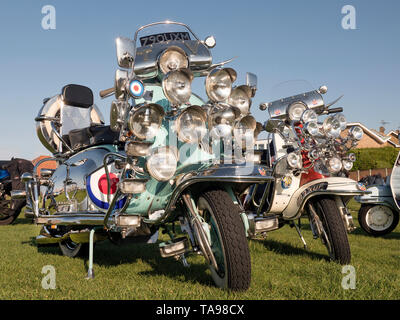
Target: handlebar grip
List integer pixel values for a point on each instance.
(335, 110)
(106, 92)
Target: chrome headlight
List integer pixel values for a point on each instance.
(191, 124)
(294, 160)
(356, 132)
(331, 127)
(177, 86)
(295, 110)
(342, 120)
(309, 116)
(347, 165)
(222, 120)
(219, 84)
(162, 163)
(241, 98)
(244, 131)
(145, 121)
(312, 128)
(334, 165)
(173, 58)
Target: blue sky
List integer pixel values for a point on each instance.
(278, 40)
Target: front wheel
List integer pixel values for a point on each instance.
(227, 240)
(377, 220)
(333, 232)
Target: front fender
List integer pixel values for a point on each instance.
(337, 186)
(223, 175)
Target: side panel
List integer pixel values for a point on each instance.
(395, 182)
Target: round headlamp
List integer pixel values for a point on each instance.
(352, 157)
(294, 160)
(222, 121)
(241, 98)
(342, 120)
(356, 132)
(309, 116)
(334, 165)
(162, 163)
(219, 84)
(347, 165)
(145, 121)
(312, 128)
(244, 131)
(191, 124)
(177, 86)
(173, 58)
(331, 127)
(295, 110)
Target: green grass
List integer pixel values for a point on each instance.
(281, 269)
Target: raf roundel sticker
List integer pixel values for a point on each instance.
(136, 88)
(96, 185)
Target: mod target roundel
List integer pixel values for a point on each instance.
(96, 185)
(136, 88)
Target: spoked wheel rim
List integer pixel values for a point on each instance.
(379, 218)
(216, 244)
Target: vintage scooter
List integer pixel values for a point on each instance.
(308, 156)
(158, 163)
(379, 211)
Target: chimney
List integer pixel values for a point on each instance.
(382, 130)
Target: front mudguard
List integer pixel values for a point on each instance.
(342, 188)
(230, 177)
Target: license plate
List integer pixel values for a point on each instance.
(163, 37)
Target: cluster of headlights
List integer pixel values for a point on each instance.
(327, 131)
(227, 114)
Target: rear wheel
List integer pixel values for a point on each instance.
(334, 234)
(10, 210)
(377, 220)
(231, 267)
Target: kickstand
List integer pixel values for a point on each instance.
(301, 236)
(90, 274)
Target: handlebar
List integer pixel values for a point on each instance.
(107, 92)
(335, 110)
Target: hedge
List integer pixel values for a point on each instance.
(374, 158)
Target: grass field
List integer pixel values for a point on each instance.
(281, 269)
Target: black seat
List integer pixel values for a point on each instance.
(77, 96)
(91, 136)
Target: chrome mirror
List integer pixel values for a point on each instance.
(125, 52)
(251, 81)
(210, 42)
(117, 114)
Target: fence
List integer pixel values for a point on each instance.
(359, 174)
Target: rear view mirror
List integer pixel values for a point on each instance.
(125, 52)
(251, 81)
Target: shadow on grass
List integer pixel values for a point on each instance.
(361, 232)
(287, 249)
(108, 255)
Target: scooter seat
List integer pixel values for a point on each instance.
(79, 139)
